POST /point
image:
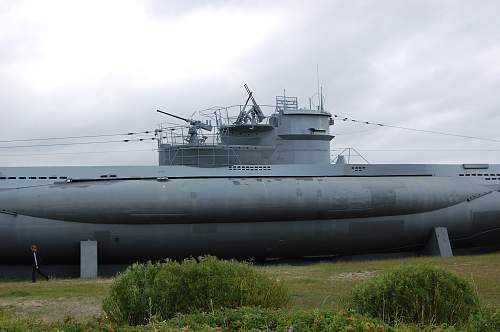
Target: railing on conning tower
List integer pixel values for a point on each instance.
(224, 116)
(179, 135)
(284, 103)
(178, 145)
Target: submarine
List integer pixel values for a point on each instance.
(243, 184)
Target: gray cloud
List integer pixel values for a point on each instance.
(426, 64)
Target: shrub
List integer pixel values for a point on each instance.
(416, 294)
(485, 320)
(255, 319)
(265, 319)
(160, 290)
(132, 294)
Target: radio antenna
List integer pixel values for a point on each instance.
(317, 81)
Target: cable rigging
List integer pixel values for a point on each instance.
(80, 137)
(343, 118)
(79, 143)
(156, 131)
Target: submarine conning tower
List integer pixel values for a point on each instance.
(290, 135)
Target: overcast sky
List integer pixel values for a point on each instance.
(71, 68)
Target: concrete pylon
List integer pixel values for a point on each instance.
(88, 259)
(438, 243)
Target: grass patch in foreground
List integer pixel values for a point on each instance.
(328, 285)
(55, 288)
(254, 319)
(324, 285)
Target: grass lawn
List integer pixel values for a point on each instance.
(329, 284)
(312, 284)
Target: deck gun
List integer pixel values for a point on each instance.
(194, 126)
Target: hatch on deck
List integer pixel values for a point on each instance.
(476, 166)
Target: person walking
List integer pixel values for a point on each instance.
(36, 266)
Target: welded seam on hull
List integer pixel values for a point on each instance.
(479, 195)
(471, 237)
(11, 213)
(240, 176)
(25, 187)
(452, 240)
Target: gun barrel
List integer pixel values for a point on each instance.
(250, 96)
(175, 116)
(248, 90)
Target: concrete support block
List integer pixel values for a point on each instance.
(438, 243)
(88, 259)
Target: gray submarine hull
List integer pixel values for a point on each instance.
(253, 186)
(136, 219)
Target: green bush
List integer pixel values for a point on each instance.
(244, 319)
(132, 294)
(265, 319)
(416, 294)
(255, 319)
(161, 290)
(485, 320)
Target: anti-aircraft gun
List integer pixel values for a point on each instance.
(194, 127)
(254, 114)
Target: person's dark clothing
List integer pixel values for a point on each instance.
(36, 269)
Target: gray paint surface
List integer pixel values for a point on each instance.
(88, 259)
(288, 201)
(439, 243)
(214, 211)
